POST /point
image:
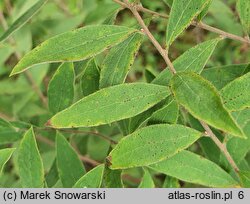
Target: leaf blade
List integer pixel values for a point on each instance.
(29, 162)
(243, 8)
(193, 59)
(92, 179)
(236, 94)
(95, 110)
(5, 155)
(61, 88)
(181, 15)
(198, 170)
(23, 19)
(151, 144)
(65, 47)
(119, 61)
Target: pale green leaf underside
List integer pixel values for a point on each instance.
(147, 180)
(109, 105)
(75, 45)
(5, 155)
(243, 8)
(181, 15)
(193, 60)
(151, 144)
(92, 179)
(202, 100)
(69, 166)
(193, 168)
(23, 19)
(119, 60)
(61, 88)
(29, 162)
(236, 95)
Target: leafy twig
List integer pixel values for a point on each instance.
(194, 23)
(134, 9)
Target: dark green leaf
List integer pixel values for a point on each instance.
(193, 168)
(61, 88)
(69, 166)
(5, 155)
(119, 61)
(29, 162)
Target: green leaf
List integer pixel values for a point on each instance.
(52, 177)
(92, 179)
(181, 15)
(76, 45)
(245, 178)
(147, 181)
(168, 2)
(236, 95)
(171, 182)
(168, 114)
(5, 155)
(29, 162)
(112, 178)
(204, 11)
(243, 8)
(151, 144)
(193, 60)
(202, 100)
(119, 61)
(23, 19)
(8, 134)
(222, 75)
(90, 78)
(69, 166)
(109, 105)
(238, 147)
(193, 168)
(61, 88)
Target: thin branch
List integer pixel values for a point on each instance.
(194, 23)
(164, 54)
(221, 146)
(83, 158)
